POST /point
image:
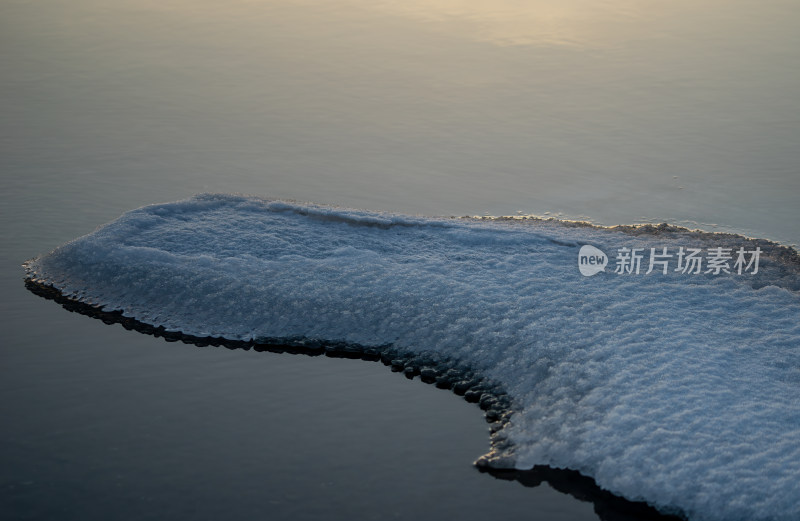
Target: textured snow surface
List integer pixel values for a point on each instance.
(680, 390)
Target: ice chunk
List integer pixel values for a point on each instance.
(679, 388)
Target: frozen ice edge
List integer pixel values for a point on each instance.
(596, 373)
(443, 374)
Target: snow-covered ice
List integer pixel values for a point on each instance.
(682, 390)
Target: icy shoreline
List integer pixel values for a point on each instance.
(488, 396)
(689, 380)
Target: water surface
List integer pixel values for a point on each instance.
(617, 112)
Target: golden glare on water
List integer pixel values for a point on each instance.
(526, 22)
(670, 110)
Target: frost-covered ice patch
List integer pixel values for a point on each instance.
(679, 390)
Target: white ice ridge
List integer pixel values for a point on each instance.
(681, 390)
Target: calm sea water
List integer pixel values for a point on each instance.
(617, 112)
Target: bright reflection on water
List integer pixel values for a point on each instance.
(583, 23)
(617, 111)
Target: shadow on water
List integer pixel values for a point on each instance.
(444, 374)
(606, 505)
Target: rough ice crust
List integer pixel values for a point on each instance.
(680, 390)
